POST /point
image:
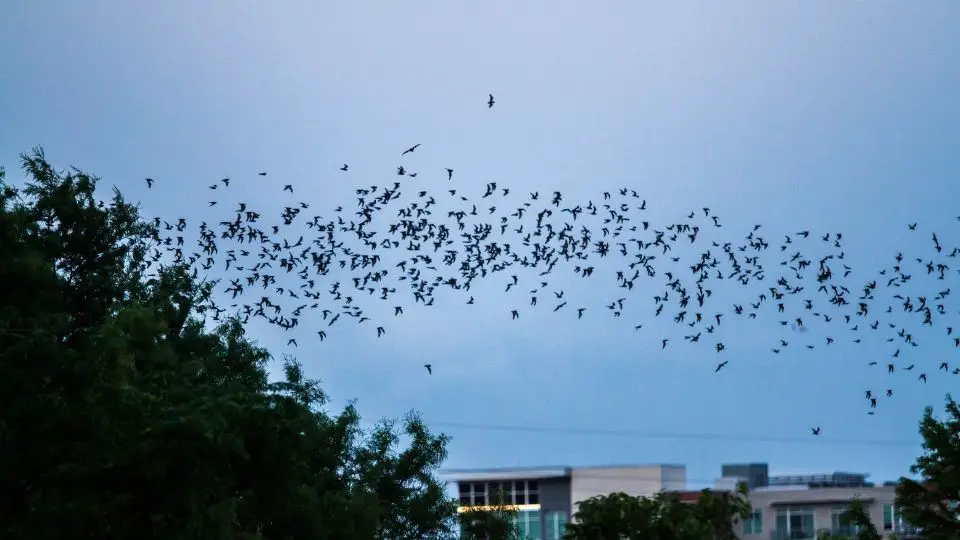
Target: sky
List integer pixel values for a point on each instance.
(821, 116)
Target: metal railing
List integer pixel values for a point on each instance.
(845, 531)
(903, 529)
(793, 534)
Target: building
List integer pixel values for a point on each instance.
(754, 474)
(546, 497)
(797, 507)
(794, 507)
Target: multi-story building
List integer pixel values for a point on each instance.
(797, 507)
(546, 497)
(784, 507)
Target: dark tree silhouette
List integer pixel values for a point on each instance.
(931, 503)
(124, 416)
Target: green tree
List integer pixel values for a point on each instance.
(124, 416)
(723, 510)
(496, 521)
(932, 502)
(661, 517)
(857, 516)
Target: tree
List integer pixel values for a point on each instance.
(496, 521)
(931, 503)
(661, 517)
(857, 516)
(125, 416)
(723, 510)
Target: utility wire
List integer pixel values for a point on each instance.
(811, 439)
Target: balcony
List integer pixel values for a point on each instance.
(845, 531)
(903, 530)
(793, 534)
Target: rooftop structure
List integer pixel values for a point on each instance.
(836, 479)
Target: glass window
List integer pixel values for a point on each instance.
(556, 525)
(893, 521)
(841, 523)
(795, 523)
(495, 493)
(782, 526)
(528, 524)
(464, 489)
(754, 523)
(535, 532)
(533, 492)
(515, 492)
(887, 517)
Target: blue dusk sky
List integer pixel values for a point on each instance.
(827, 116)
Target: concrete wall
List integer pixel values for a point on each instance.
(643, 481)
(674, 477)
(555, 495)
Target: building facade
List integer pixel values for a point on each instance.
(793, 507)
(546, 497)
(798, 507)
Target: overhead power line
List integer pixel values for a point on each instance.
(811, 439)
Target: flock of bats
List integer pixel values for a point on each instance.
(276, 267)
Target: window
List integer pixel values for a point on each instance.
(841, 523)
(472, 493)
(533, 492)
(528, 524)
(754, 523)
(497, 493)
(479, 494)
(795, 523)
(519, 492)
(888, 517)
(892, 521)
(556, 525)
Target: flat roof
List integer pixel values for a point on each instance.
(506, 473)
(542, 471)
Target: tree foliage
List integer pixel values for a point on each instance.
(124, 416)
(932, 502)
(664, 516)
(857, 516)
(496, 521)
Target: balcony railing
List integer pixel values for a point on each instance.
(846, 531)
(903, 529)
(793, 534)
